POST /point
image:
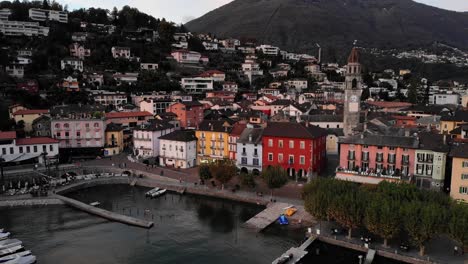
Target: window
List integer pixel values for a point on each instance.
(365, 146)
(270, 156)
(379, 157)
(465, 164)
(405, 159)
(365, 156)
(302, 160)
(391, 158)
(391, 148)
(391, 169)
(379, 147)
(280, 143)
(463, 190)
(270, 142)
(20, 149)
(244, 161)
(291, 159)
(256, 162)
(464, 176)
(255, 152)
(302, 145)
(67, 134)
(78, 134)
(429, 170)
(419, 169)
(28, 149)
(351, 155)
(44, 148)
(291, 144)
(351, 165)
(280, 157)
(3, 151)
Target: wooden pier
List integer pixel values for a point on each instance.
(104, 213)
(266, 217)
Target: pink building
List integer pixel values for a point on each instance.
(374, 158)
(186, 56)
(79, 132)
(79, 51)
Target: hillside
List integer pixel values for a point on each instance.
(299, 24)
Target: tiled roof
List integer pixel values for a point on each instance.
(383, 104)
(114, 127)
(460, 151)
(127, 114)
(155, 125)
(36, 141)
(180, 135)
(293, 130)
(382, 140)
(238, 128)
(7, 135)
(459, 116)
(434, 142)
(224, 125)
(31, 112)
(251, 133)
(323, 118)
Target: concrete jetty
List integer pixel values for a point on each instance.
(295, 254)
(104, 213)
(266, 217)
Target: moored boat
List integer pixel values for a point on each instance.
(22, 260)
(4, 236)
(150, 192)
(158, 193)
(15, 255)
(10, 250)
(8, 243)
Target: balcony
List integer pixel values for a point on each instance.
(371, 176)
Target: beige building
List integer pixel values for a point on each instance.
(459, 185)
(28, 116)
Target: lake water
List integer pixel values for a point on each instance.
(188, 229)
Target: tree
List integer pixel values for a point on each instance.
(458, 223)
(422, 221)
(247, 179)
(204, 172)
(413, 94)
(348, 209)
(382, 217)
(223, 171)
(275, 177)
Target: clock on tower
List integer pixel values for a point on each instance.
(353, 91)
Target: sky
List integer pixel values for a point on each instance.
(181, 11)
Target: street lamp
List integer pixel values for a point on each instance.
(44, 158)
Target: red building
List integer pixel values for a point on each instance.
(190, 114)
(236, 131)
(299, 149)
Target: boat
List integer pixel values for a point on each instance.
(8, 243)
(11, 250)
(150, 192)
(158, 193)
(95, 204)
(15, 255)
(22, 260)
(4, 236)
(283, 220)
(290, 211)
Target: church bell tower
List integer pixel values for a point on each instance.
(353, 91)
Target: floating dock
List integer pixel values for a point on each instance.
(266, 217)
(105, 214)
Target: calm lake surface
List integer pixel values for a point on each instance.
(188, 229)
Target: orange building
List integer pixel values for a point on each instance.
(189, 114)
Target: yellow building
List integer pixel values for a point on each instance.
(450, 122)
(28, 116)
(114, 140)
(213, 140)
(459, 185)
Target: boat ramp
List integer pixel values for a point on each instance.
(266, 217)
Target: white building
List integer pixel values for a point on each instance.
(443, 99)
(109, 98)
(269, 50)
(149, 66)
(15, 149)
(298, 84)
(210, 45)
(185, 56)
(15, 70)
(76, 64)
(178, 149)
(4, 13)
(230, 87)
(155, 106)
(146, 138)
(23, 60)
(121, 52)
(249, 150)
(79, 51)
(251, 68)
(129, 77)
(43, 15)
(21, 28)
(197, 85)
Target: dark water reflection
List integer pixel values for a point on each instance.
(188, 229)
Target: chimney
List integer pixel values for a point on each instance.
(445, 139)
(250, 138)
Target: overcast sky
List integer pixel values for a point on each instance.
(181, 11)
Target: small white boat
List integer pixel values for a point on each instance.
(95, 204)
(8, 243)
(22, 260)
(16, 255)
(11, 250)
(4, 235)
(150, 192)
(158, 193)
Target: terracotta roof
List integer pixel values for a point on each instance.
(31, 112)
(389, 104)
(460, 151)
(293, 130)
(404, 117)
(7, 134)
(210, 73)
(180, 135)
(354, 56)
(128, 114)
(36, 141)
(238, 128)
